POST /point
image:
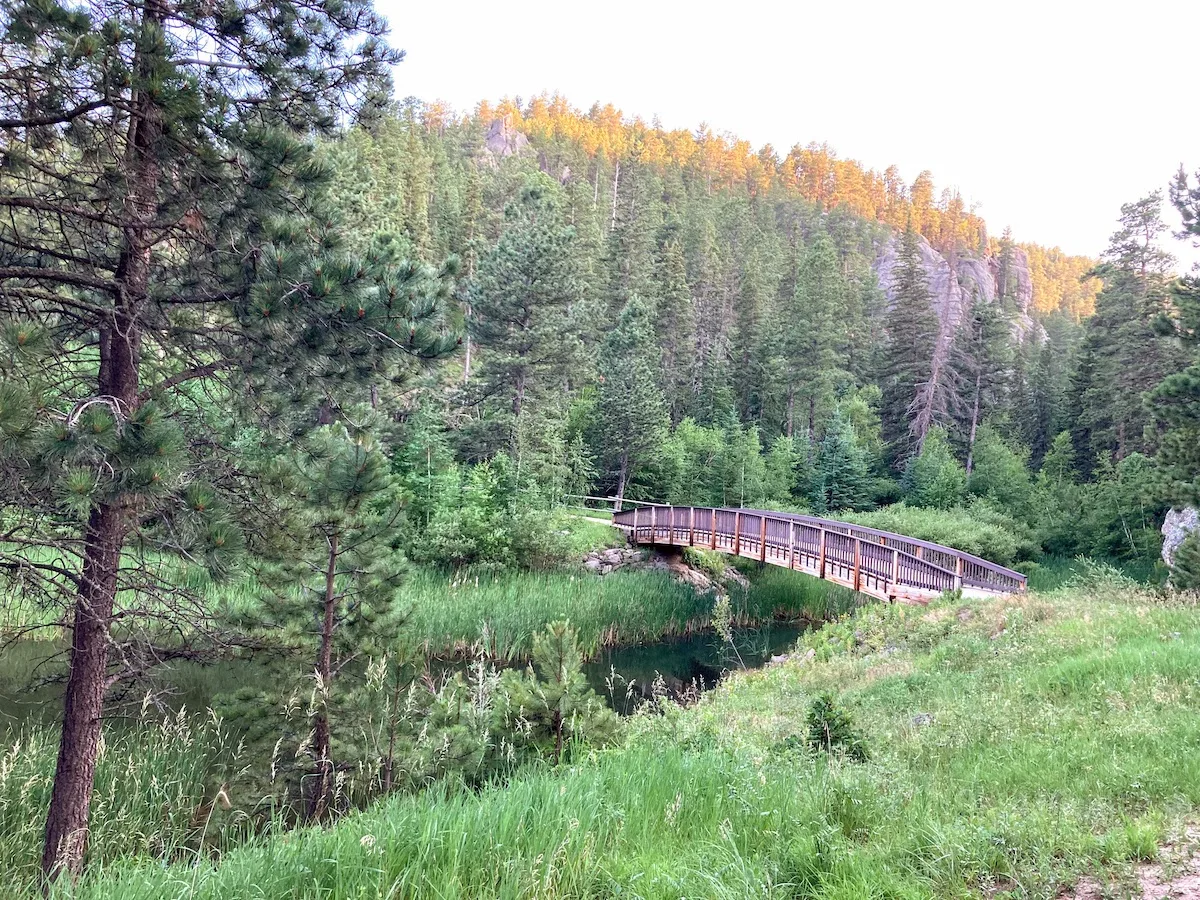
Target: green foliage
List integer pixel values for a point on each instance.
(529, 336)
(549, 706)
(831, 730)
(1001, 474)
(907, 370)
(1123, 355)
(1176, 406)
(979, 529)
(475, 516)
(841, 479)
(1185, 573)
(1006, 693)
(934, 478)
(631, 412)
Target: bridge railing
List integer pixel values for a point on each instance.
(878, 562)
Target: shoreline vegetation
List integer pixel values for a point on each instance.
(1016, 744)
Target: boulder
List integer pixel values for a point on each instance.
(1178, 525)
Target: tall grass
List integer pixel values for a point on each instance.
(505, 609)
(1015, 744)
(155, 793)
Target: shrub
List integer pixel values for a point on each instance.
(830, 729)
(935, 479)
(1001, 474)
(981, 530)
(1185, 574)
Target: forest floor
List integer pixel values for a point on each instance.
(1046, 745)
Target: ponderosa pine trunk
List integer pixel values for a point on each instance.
(790, 425)
(66, 836)
(622, 478)
(322, 737)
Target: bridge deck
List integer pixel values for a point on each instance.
(879, 563)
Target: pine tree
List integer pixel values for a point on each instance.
(1185, 573)
(631, 413)
(1175, 402)
(165, 225)
(982, 362)
(525, 305)
(815, 344)
(1122, 355)
(550, 704)
(841, 476)
(675, 327)
(907, 368)
(337, 569)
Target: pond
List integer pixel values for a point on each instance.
(675, 667)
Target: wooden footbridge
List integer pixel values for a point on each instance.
(879, 563)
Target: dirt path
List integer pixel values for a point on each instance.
(1175, 875)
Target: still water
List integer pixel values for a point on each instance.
(675, 667)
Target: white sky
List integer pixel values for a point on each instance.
(1048, 115)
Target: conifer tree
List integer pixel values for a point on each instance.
(631, 414)
(165, 227)
(841, 477)
(815, 345)
(337, 570)
(675, 327)
(982, 362)
(525, 307)
(1122, 354)
(1175, 402)
(550, 705)
(907, 368)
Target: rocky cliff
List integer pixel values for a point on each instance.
(954, 287)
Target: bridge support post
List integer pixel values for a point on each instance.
(762, 539)
(958, 572)
(713, 530)
(895, 587)
(821, 554)
(653, 523)
(691, 526)
(737, 534)
(791, 543)
(857, 561)
(633, 533)
(670, 524)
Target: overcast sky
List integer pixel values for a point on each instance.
(1048, 115)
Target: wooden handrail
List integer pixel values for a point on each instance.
(873, 561)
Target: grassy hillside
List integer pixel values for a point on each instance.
(1015, 744)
